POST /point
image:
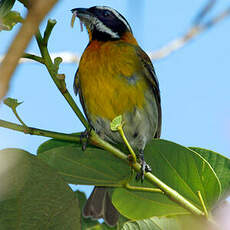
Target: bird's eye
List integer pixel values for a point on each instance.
(106, 13)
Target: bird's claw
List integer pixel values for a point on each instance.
(144, 169)
(84, 135)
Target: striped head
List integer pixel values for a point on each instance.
(103, 23)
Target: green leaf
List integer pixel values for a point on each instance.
(10, 20)
(187, 222)
(12, 103)
(54, 143)
(93, 166)
(116, 122)
(33, 195)
(221, 166)
(5, 7)
(180, 168)
(153, 224)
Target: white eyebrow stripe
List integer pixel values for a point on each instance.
(116, 14)
(103, 28)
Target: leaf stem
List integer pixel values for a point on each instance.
(33, 57)
(120, 130)
(203, 204)
(39, 132)
(172, 194)
(18, 117)
(48, 30)
(96, 140)
(143, 189)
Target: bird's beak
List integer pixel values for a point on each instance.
(82, 13)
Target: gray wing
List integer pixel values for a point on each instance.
(77, 90)
(152, 79)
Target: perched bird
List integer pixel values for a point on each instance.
(116, 77)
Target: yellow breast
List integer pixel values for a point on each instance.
(105, 73)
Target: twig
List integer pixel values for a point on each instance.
(208, 7)
(39, 132)
(217, 19)
(36, 13)
(120, 130)
(33, 57)
(96, 140)
(51, 67)
(49, 28)
(143, 189)
(195, 30)
(172, 194)
(19, 118)
(166, 50)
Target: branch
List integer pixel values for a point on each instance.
(96, 140)
(53, 71)
(143, 189)
(195, 30)
(67, 57)
(39, 132)
(166, 50)
(207, 8)
(32, 57)
(172, 194)
(36, 13)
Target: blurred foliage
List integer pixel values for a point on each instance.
(8, 18)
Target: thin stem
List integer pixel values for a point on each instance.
(33, 57)
(96, 140)
(143, 189)
(18, 117)
(39, 132)
(120, 130)
(172, 194)
(49, 28)
(203, 204)
(51, 69)
(207, 8)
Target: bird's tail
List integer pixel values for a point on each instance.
(99, 205)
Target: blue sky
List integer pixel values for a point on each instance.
(194, 81)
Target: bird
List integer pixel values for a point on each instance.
(116, 77)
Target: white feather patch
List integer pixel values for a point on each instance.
(116, 14)
(93, 21)
(103, 28)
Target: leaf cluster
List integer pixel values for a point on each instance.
(37, 191)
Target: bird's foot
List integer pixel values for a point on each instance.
(144, 168)
(84, 138)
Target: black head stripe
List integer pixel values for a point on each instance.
(112, 22)
(116, 14)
